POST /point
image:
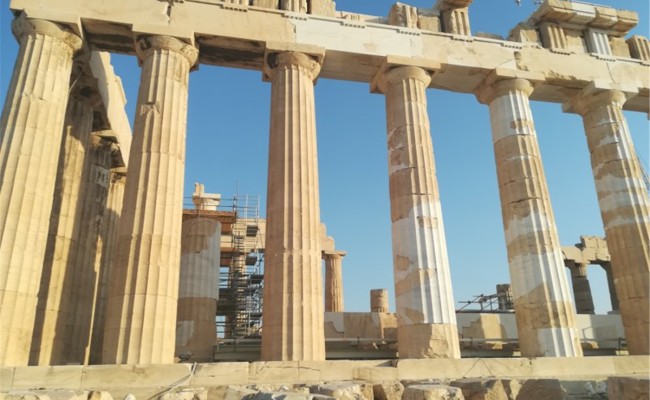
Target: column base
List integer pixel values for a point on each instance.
(428, 341)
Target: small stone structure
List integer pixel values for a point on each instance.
(567, 52)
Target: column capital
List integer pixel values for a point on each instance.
(595, 95)
(487, 92)
(333, 254)
(394, 69)
(145, 44)
(22, 26)
(501, 81)
(309, 64)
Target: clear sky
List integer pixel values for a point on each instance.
(227, 148)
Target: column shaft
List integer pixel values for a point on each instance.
(545, 316)
(379, 300)
(199, 288)
(143, 289)
(31, 129)
(85, 275)
(293, 294)
(53, 309)
(333, 282)
(613, 298)
(423, 293)
(624, 208)
(103, 261)
(582, 290)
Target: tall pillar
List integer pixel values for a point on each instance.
(293, 293)
(543, 308)
(424, 301)
(31, 129)
(143, 289)
(103, 260)
(613, 298)
(53, 309)
(333, 281)
(624, 207)
(581, 289)
(379, 300)
(85, 273)
(199, 288)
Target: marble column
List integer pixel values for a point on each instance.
(53, 309)
(581, 289)
(424, 301)
(293, 293)
(613, 298)
(199, 288)
(624, 207)
(85, 274)
(31, 129)
(103, 260)
(546, 320)
(143, 288)
(379, 300)
(333, 280)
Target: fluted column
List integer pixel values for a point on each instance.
(85, 275)
(543, 307)
(53, 309)
(333, 280)
(143, 289)
(293, 294)
(613, 298)
(31, 129)
(379, 300)
(581, 289)
(103, 260)
(199, 288)
(624, 207)
(423, 294)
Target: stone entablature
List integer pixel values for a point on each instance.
(293, 47)
(575, 27)
(354, 48)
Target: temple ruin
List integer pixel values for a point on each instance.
(101, 264)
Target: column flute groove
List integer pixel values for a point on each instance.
(424, 300)
(143, 288)
(53, 308)
(545, 316)
(624, 207)
(293, 312)
(31, 130)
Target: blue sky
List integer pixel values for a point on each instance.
(227, 149)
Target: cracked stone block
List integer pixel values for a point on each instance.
(341, 390)
(628, 387)
(287, 396)
(483, 389)
(432, 392)
(388, 390)
(541, 389)
(99, 395)
(230, 393)
(186, 394)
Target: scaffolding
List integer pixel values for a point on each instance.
(239, 308)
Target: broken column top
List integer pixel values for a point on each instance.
(585, 15)
(205, 201)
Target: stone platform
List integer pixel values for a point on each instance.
(149, 381)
